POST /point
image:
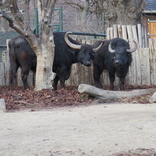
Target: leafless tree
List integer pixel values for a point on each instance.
(86, 7)
(115, 11)
(124, 11)
(42, 46)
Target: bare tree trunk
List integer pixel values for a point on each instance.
(42, 46)
(44, 74)
(85, 12)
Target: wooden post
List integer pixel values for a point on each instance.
(108, 33)
(152, 60)
(120, 32)
(146, 37)
(132, 79)
(145, 66)
(139, 35)
(129, 32)
(136, 55)
(111, 33)
(124, 32)
(143, 37)
(115, 31)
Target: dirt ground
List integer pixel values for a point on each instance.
(66, 101)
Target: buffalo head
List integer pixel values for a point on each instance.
(121, 51)
(84, 52)
(127, 50)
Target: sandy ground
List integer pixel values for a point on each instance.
(96, 130)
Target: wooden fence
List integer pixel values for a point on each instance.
(142, 70)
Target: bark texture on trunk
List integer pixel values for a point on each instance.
(44, 74)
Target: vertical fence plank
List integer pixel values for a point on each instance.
(105, 78)
(146, 37)
(120, 31)
(152, 43)
(115, 31)
(136, 56)
(139, 35)
(134, 31)
(132, 69)
(145, 66)
(108, 33)
(111, 33)
(124, 32)
(143, 37)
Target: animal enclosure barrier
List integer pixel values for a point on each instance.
(141, 72)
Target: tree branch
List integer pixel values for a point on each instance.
(17, 14)
(11, 22)
(75, 5)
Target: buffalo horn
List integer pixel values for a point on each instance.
(134, 49)
(96, 49)
(110, 48)
(74, 46)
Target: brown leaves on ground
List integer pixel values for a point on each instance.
(18, 98)
(29, 99)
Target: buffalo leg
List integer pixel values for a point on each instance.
(55, 82)
(96, 74)
(64, 74)
(12, 75)
(122, 82)
(62, 83)
(112, 79)
(24, 75)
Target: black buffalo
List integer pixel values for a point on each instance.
(67, 52)
(114, 56)
(21, 55)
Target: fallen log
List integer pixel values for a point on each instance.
(107, 94)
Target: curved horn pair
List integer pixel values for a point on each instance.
(128, 50)
(75, 46)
